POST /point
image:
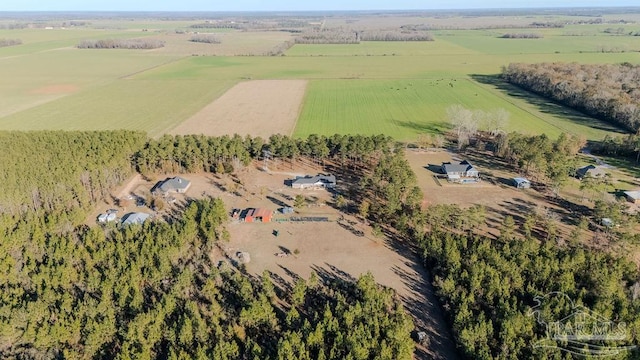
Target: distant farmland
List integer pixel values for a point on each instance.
(396, 88)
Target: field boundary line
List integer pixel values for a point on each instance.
(302, 102)
(171, 61)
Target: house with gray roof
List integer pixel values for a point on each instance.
(633, 196)
(320, 180)
(462, 172)
(172, 185)
(135, 218)
(591, 170)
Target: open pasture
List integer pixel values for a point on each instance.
(552, 42)
(232, 43)
(405, 108)
(25, 76)
(151, 106)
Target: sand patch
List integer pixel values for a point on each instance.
(256, 108)
(55, 89)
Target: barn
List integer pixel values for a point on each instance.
(257, 215)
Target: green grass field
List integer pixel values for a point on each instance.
(396, 88)
(404, 108)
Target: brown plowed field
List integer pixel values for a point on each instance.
(256, 108)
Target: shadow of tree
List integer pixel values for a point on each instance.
(440, 127)
(545, 105)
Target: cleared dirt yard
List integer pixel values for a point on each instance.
(494, 192)
(256, 108)
(330, 249)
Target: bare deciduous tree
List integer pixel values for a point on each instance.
(465, 124)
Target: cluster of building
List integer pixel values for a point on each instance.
(127, 219)
(165, 188)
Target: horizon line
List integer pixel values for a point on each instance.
(337, 10)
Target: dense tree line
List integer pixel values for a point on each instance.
(56, 170)
(205, 38)
(548, 24)
(137, 44)
(199, 153)
(10, 42)
(281, 48)
(522, 36)
(217, 25)
(351, 36)
(154, 292)
(394, 35)
(328, 36)
(606, 91)
(14, 26)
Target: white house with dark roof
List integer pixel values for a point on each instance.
(325, 181)
(172, 185)
(460, 172)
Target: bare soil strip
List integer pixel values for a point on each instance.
(256, 108)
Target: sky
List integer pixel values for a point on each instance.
(291, 5)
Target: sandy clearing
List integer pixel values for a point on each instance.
(55, 89)
(256, 108)
(327, 248)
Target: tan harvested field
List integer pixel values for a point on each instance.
(256, 108)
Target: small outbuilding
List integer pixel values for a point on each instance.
(257, 215)
(607, 222)
(107, 217)
(521, 183)
(633, 196)
(135, 218)
(172, 185)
